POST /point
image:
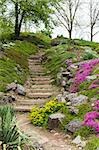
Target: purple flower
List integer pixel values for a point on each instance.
(84, 70)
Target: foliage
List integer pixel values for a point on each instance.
(9, 133)
(92, 144)
(39, 116)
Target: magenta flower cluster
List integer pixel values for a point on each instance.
(96, 105)
(90, 120)
(84, 70)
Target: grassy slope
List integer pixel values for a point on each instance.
(14, 65)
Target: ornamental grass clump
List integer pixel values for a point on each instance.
(84, 71)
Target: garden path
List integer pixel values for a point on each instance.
(39, 90)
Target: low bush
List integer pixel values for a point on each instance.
(39, 116)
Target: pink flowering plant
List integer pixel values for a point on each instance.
(91, 119)
(84, 71)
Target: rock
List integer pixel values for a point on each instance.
(74, 126)
(20, 90)
(79, 100)
(55, 42)
(38, 146)
(68, 103)
(63, 83)
(55, 120)
(74, 110)
(97, 148)
(77, 140)
(11, 86)
(7, 99)
(93, 77)
(61, 99)
(1, 95)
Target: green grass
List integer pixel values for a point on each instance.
(93, 144)
(14, 65)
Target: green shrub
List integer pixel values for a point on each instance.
(39, 116)
(93, 144)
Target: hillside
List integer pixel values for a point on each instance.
(72, 67)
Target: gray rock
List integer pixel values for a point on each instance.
(74, 110)
(61, 98)
(79, 100)
(74, 125)
(7, 99)
(11, 86)
(93, 77)
(20, 90)
(63, 83)
(55, 120)
(1, 95)
(79, 142)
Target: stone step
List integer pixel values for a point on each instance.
(34, 61)
(45, 78)
(35, 57)
(41, 90)
(22, 108)
(41, 82)
(32, 102)
(41, 86)
(37, 71)
(37, 74)
(39, 95)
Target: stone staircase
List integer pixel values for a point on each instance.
(38, 86)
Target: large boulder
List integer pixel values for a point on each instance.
(20, 90)
(74, 125)
(79, 100)
(55, 120)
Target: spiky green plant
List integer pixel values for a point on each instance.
(10, 135)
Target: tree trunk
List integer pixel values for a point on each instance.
(16, 20)
(20, 23)
(70, 34)
(91, 34)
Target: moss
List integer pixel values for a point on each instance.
(93, 144)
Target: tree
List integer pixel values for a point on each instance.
(66, 13)
(34, 10)
(94, 17)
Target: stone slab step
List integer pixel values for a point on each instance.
(37, 71)
(32, 102)
(39, 95)
(22, 108)
(41, 82)
(34, 61)
(41, 78)
(41, 90)
(41, 86)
